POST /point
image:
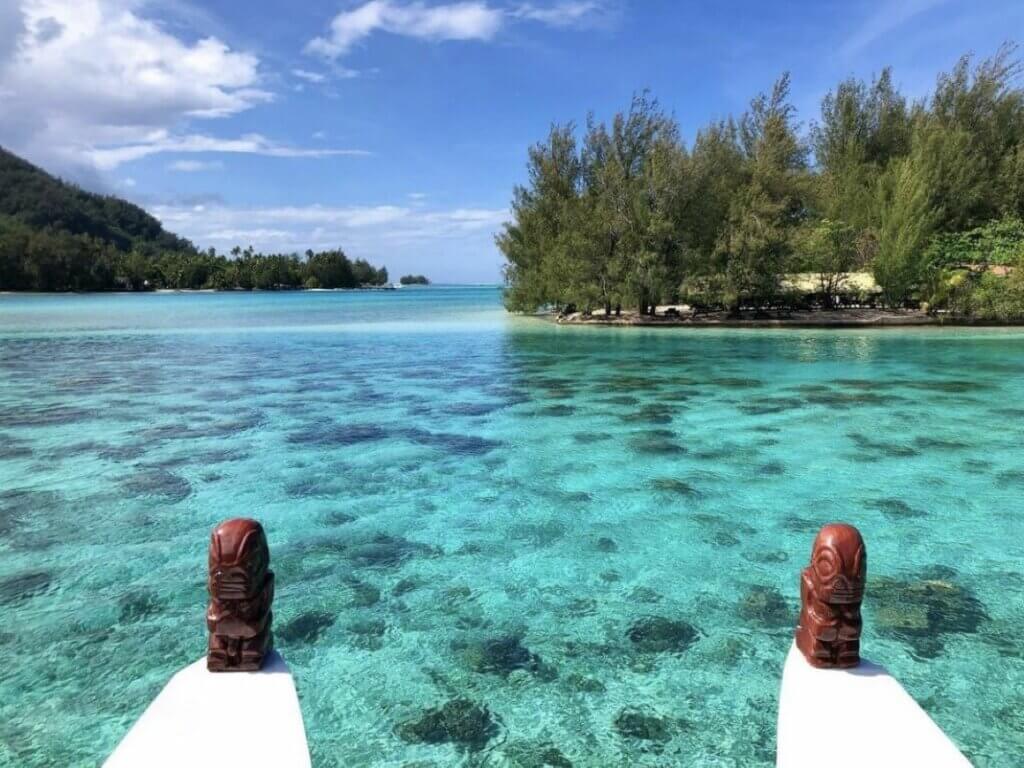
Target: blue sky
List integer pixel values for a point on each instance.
(395, 128)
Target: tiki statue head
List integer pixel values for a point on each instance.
(239, 558)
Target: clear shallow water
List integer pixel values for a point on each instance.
(463, 505)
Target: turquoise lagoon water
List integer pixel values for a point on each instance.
(589, 539)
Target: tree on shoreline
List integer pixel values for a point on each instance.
(628, 215)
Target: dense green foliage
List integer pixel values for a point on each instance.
(41, 203)
(57, 237)
(626, 214)
(414, 280)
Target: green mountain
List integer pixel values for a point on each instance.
(31, 197)
(55, 236)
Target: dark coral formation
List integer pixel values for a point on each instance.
(139, 605)
(723, 538)
(22, 586)
(557, 410)
(924, 612)
(736, 382)
(674, 486)
(368, 634)
(763, 406)
(643, 594)
(461, 722)
(360, 594)
(655, 413)
(159, 483)
(544, 755)
(344, 435)
(579, 607)
(338, 435)
(656, 443)
(642, 724)
(584, 684)
(385, 551)
(502, 656)
(657, 634)
(766, 607)
(306, 628)
(895, 508)
(408, 584)
(772, 469)
(877, 448)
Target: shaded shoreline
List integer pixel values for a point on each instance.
(840, 318)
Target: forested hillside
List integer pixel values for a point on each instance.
(926, 195)
(40, 202)
(57, 237)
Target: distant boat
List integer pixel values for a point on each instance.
(396, 286)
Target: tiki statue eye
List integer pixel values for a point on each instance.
(826, 564)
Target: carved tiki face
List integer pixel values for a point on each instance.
(838, 568)
(239, 558)
(241, 586)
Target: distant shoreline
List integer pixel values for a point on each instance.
(839, 318)
(206, 290)
(370, 289)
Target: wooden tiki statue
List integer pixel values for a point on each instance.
(831, 590)
(241, 587)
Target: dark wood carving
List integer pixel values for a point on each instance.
(831, 590)
(241, 587)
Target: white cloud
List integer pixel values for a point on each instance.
(474, 20)
(106, 158)
(91, 84)
(455, 21)
(361, 228)
(195, 166)
(309, 77)
(562, 14)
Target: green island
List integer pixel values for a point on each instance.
(55, 236)
(884, 210)
(413, 280)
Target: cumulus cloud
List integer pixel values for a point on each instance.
(453, 21)
(456, 21)
(92, 83)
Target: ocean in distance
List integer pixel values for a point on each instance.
(570, 546)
